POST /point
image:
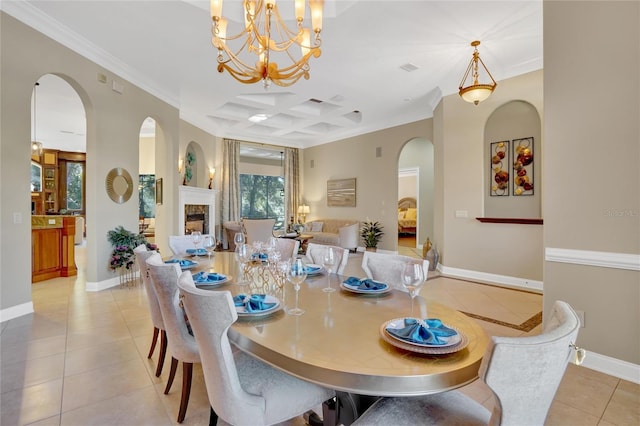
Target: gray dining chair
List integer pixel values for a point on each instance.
(522, 372)
(242, 390)
(181, 344)
(142, 254)
(315, 252)
(258, 229)
(387, 268)
(179, 244)
(288, 248)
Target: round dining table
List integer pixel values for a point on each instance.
(340, 342)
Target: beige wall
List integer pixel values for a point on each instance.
(113, 128)
(592, 152)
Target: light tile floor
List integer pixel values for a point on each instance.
(80, 359)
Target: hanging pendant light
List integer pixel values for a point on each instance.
(476, 92)
(36, 147)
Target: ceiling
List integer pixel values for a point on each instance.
(358, 84)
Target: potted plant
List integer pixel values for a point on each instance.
(122, 257)
(371, 233)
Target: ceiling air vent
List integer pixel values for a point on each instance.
(409, 67)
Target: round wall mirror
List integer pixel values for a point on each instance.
(119, 185)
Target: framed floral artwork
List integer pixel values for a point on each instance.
(499, 163)
(523, 166)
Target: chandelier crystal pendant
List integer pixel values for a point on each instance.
(36, 147)
(476, 92)
(266, 36)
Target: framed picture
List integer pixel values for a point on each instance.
(523, 162)
(159, 191)
(499, 164)
(341, 192)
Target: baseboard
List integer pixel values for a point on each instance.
(102, 285)
(483, 277)
(16, 311)
(612, 366)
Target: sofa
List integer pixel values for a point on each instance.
(343, 233)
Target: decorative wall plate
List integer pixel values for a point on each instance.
(119, 185)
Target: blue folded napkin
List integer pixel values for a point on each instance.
(206, 277)
(260, 256)
(252, 303)
(181, 262)
(426, 331)
(198, 251)
(364, 284)
(312, 269)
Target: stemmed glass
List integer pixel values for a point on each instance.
(209, 244)
(238, 238)
(328, 260)
(296, 274)
(245, 255)
(196, 237)
(412, 279)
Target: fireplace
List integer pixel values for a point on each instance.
(196, 210)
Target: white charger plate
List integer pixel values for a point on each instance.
(242, 312)
(424, 349)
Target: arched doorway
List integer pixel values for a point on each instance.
(147, 179)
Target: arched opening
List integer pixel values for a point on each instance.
(415, 194)
(196, 172)
(147, 189)
(59, 151)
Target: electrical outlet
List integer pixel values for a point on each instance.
(581, 316)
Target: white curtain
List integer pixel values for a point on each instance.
(230, 194)
(291, 184)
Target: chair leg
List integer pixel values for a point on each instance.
(156, 331)
(172, 374)
(187, 371)
(163, 352)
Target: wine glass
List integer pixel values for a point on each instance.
(196, 237)
(296, 274)
(209, 244)
(238, 239)
(412, 279)
(328, 260)
(245, 255)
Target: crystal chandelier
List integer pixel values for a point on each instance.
(476, 92)
(266, 36)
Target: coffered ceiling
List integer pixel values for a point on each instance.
(383, 63)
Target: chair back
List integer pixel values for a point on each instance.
(387, 268)
(180, 243)
(315, 252)
(164, 279)
(524, 372)
(258, 229)
(211, 314)
(288, 248)
(142, 254)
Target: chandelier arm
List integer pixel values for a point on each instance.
(466, 74)
(487, 70)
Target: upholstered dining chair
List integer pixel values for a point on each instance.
(522, 372)
(181, 344)
(315, 252)
(142, 254)
(180, 243)
(258, 229)
(242, 390)
(387, 268)
(288, 248)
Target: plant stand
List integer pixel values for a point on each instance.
(128, 276)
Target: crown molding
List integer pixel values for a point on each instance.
(594, 258)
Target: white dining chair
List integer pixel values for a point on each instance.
(242, 390)
(258, 229)
(142, 254)
(315, 252)
(181, 344)
(179, 244)
(288, 248)
(522, 372)
(387, 268)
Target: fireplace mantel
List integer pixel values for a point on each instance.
(200, 196)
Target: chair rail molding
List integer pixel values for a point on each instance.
(594, 258)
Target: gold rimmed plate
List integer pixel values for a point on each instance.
(423, 349)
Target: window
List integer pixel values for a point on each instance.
(147, 196)
(75, 177)
(262, 197)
